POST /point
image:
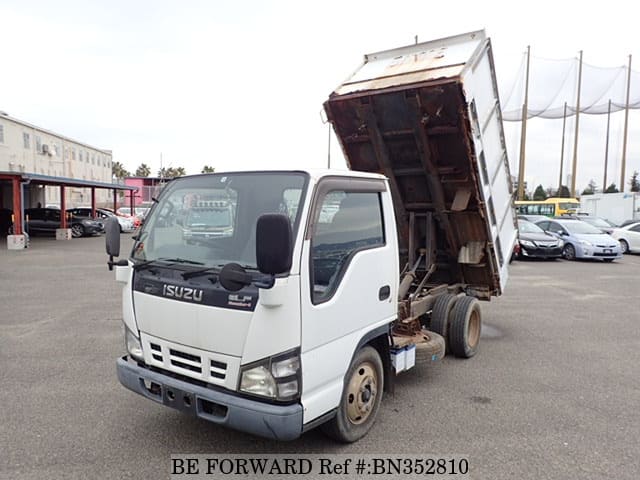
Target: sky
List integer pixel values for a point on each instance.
(240, 85)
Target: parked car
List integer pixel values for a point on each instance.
(629, 237)
(534, 242)
(47, 220)
(601, 223)
(137, 218)
(126, 223)
(582, 240)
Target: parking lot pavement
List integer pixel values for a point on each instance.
(553, 392)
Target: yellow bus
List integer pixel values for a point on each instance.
(551, 207)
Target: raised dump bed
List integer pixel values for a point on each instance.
(428, 117)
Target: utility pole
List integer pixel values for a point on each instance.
(523, 132)
(575, 139)
(626, 129)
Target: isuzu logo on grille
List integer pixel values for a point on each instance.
(182, 293)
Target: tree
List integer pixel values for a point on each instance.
(171, 172)
(143, 170)
(539, 193)
(563, 192)
(118, 170)
(612, 189)
(592, 187)
(208, 169)
(634, 182)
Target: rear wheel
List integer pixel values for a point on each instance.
(440, 314)
(569, 252)
(465, 327)
(624, 246)
(361, 396)
(77, 230)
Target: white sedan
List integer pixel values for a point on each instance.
(629, 237)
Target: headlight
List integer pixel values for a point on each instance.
(276, 377)
(527, 243)
(585, 243)
(133, 344)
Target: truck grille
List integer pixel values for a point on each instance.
(206, 366)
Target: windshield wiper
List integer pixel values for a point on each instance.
(202, 271)
(147, 263)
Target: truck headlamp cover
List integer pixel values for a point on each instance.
(133, 344)
(276, 377)
(258, 381)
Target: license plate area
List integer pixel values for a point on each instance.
(179, 399)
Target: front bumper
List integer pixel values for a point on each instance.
(540, 252)
(598, 252)
(279, 422)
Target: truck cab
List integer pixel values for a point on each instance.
(212, 330)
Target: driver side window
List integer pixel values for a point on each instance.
(347, 223)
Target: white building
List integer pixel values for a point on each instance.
(25, 148)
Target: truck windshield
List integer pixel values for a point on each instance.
(211, 219)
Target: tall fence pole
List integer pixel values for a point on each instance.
(575, 139)
(626, 129)
(523, 132)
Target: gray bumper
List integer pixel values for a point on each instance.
(280, 422)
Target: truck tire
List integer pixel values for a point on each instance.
(361, 396)
(440, 314)
(465, 326)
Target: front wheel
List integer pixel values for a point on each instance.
(77, 230)
(569, 252)
(624, 246)
(361, 396)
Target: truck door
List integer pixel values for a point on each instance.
(348, 281)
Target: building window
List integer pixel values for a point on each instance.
(26, 140)
(93, 159)
(86, 155)
(38, 144)
(1, 133)
(80, 153)
(73, 153)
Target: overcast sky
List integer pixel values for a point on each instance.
(240, 85)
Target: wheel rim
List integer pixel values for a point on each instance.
(624, 246)
(474, 329)
(568, 252)
(362, 393)
(76, 230)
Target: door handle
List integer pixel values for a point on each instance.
(384, 293)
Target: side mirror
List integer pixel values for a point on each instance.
(274, 242)
(112, 239)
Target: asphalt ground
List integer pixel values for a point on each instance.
(554, 391)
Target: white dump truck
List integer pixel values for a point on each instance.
(329, 283)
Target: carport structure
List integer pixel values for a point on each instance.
(17, 181)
